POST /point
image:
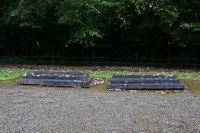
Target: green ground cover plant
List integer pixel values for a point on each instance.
(179, 75)
(11, 74)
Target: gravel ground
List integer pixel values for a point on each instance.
(48, 109)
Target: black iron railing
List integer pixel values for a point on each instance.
(101, 61)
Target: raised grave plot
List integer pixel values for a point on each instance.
(145, 82)
(72, 79)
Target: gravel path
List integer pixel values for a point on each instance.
(64, 110)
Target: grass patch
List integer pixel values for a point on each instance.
(179, 75)
(188, 75)
(11, 74)
(101, 74)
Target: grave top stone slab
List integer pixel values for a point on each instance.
(144, 79)
(50, 78)
(144, 82)
(57, 75)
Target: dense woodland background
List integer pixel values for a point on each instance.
(161, 29)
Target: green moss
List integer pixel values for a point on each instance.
(192, 85)
(4, 83)
(97, 88)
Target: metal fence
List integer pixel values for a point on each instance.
(100, 61)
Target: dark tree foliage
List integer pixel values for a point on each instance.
(150, 28)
